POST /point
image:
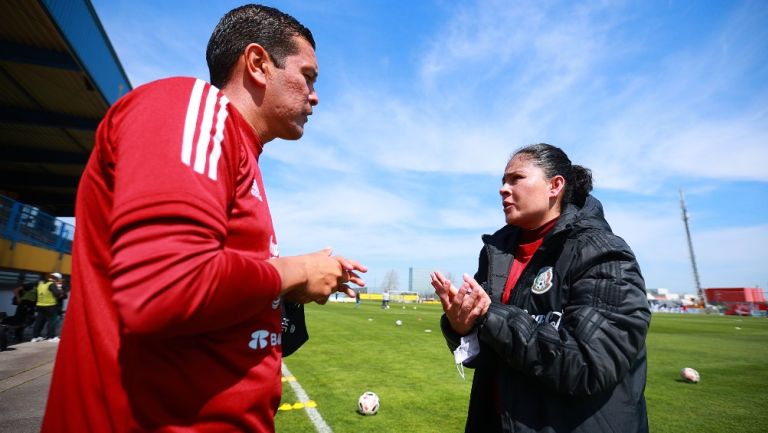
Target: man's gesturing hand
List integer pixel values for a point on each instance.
(316, 276)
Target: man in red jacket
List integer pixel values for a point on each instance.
(174, 319)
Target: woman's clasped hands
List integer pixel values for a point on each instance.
(462, 306)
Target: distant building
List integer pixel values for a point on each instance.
(691, 299)
(735, 294)
(662, 294)
(740, 301)
(662, 299)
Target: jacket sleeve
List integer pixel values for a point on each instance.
(171, 268)
(602, 331)
(451, 337)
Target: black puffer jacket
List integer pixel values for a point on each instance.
(582, 372)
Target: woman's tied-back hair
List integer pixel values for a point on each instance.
(249, 24)
(554, 162)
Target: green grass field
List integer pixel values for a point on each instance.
(354, 350)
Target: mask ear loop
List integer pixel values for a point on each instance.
(460, 368)
(465, 352)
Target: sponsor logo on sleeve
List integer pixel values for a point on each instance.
(262, 339)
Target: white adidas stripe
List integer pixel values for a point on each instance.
(221, 117)
(191, 121)
(206, 130)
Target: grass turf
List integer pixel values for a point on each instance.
(352, 350)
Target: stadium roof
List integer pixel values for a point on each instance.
(58, 75)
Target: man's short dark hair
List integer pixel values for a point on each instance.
(249, 24)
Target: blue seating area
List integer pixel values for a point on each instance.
(21, 222)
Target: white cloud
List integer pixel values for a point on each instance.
(733, 257)
(343, 205)
(545, 83)
(474, 219)
(388, 169)
(719, 149)
(383, 229)
(154, 45)
(725, 257)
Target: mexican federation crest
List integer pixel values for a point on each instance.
(543, 281)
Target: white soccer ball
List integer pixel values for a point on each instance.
(689, 375)
(368, 403)
(398, 322)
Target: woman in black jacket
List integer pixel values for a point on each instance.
(555, 319)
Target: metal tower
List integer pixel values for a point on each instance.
(699, 290)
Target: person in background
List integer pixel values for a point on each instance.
(47, 308)
(25, 299)
(555, 319)
(63, 295)
(174, 317)
(357, 298)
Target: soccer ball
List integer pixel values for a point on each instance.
(398, 322)
(689, 375)
(368, 403)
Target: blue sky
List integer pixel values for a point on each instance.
(421, 104)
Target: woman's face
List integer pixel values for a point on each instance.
(528, 197)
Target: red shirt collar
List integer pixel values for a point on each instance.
(533, 235)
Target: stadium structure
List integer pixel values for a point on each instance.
(58, 76)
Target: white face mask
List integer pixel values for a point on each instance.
(467, 351)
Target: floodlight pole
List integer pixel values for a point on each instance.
(699, 290)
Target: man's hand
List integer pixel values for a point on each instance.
(316, 276)
(350, 267)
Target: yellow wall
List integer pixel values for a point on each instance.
(29, 258)
(393, 298)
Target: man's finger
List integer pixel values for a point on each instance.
(351, 265)
(327, 251)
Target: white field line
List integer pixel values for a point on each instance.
(312, 413)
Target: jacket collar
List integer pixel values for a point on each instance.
(573, 217)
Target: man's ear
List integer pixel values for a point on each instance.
(556, 185)
(257, 64)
